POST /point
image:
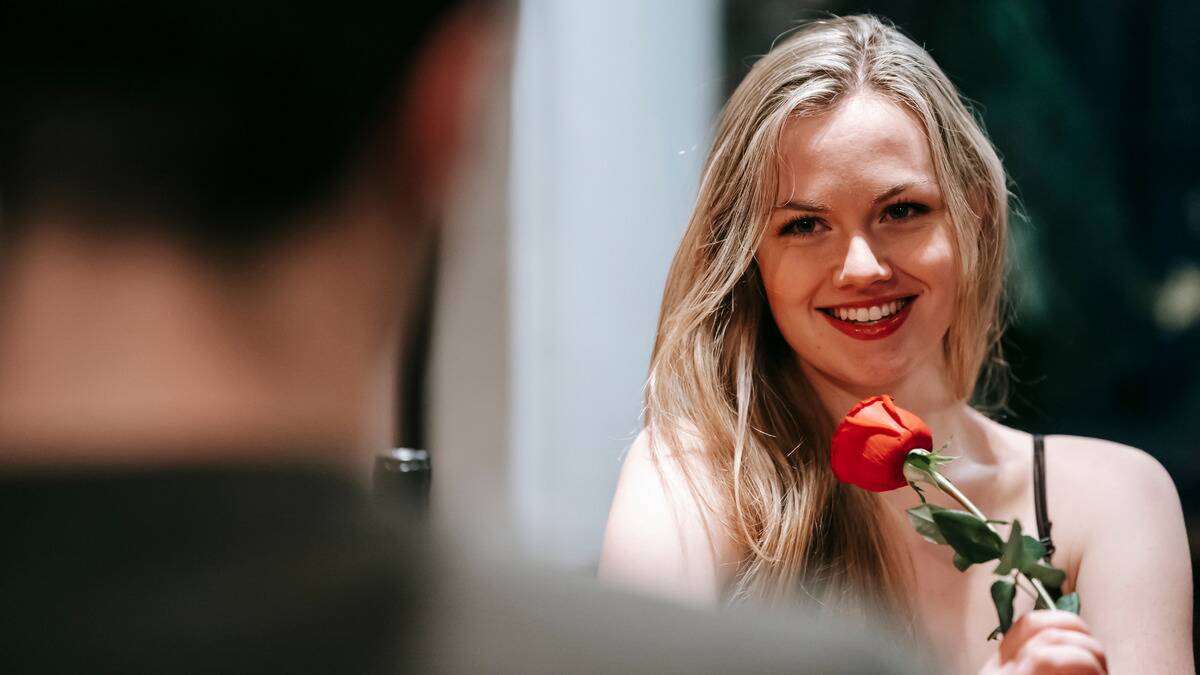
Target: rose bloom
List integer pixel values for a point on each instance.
(872, 441)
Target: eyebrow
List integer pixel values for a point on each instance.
(818, 207)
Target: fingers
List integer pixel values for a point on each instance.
(1060, 660)
(1052, 642)
(1060, 651)
(1033, 623)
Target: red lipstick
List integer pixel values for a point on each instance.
(873, 330)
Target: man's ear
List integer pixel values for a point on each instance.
(442, 98)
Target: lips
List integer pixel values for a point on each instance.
(870, 329)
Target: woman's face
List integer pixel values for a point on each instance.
(857, 260)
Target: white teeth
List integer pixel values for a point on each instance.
(863, 314)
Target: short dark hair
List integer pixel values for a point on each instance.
(221, 118)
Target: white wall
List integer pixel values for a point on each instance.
(612, 109)
(612, 105)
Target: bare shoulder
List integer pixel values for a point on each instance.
(678, 467)
(666, 531)
(1121, 512)
(1106, 494)
(1102, 469)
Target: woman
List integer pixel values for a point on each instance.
(849, 240)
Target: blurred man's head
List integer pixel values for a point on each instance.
(214, 214)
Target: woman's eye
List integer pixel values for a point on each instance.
(904, 210)
(801, 227)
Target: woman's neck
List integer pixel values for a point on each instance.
(958, 430)
(926, 393)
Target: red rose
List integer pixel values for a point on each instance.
(872, 441)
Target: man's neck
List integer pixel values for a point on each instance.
(134, 352)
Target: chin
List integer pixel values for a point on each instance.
(867, 368)
(879, 382)
(868, 377)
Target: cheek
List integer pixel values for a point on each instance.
(938, 251)
(791, 282)
(933, 259)
(789, 278)
(936, 262)
(942, 258)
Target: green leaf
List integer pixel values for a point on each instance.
(1002, 595)
(971, 537)
(1050, 576)
(1069, 603)
(961, 563)
(1034, 549)
(1020, 551)
(921, 518)
(994, 634)
(1011, 558)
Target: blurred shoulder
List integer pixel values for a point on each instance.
(678, 455)
(671, 469)
(666, 530)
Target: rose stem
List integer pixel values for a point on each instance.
(946, 486)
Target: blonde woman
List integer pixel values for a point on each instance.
(848, 240)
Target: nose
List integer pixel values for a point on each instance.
(862, 265)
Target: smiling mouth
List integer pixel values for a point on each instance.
(870, 314)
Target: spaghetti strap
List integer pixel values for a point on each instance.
(1039, 495)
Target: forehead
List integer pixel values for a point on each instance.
(866, 142)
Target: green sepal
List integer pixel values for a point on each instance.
(994, 634)
(921, 518)
(1069, 603)
(1002, 595)
(922, 465)
(971, 537)
(917, 489)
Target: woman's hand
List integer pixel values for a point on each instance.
(1048, 641)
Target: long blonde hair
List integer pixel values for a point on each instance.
(721, 373)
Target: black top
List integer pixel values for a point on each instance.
(199, 571)
(1039, 494)
(276, 570)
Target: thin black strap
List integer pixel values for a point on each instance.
(1039, 494)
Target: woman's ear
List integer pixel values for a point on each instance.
(443, 96)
